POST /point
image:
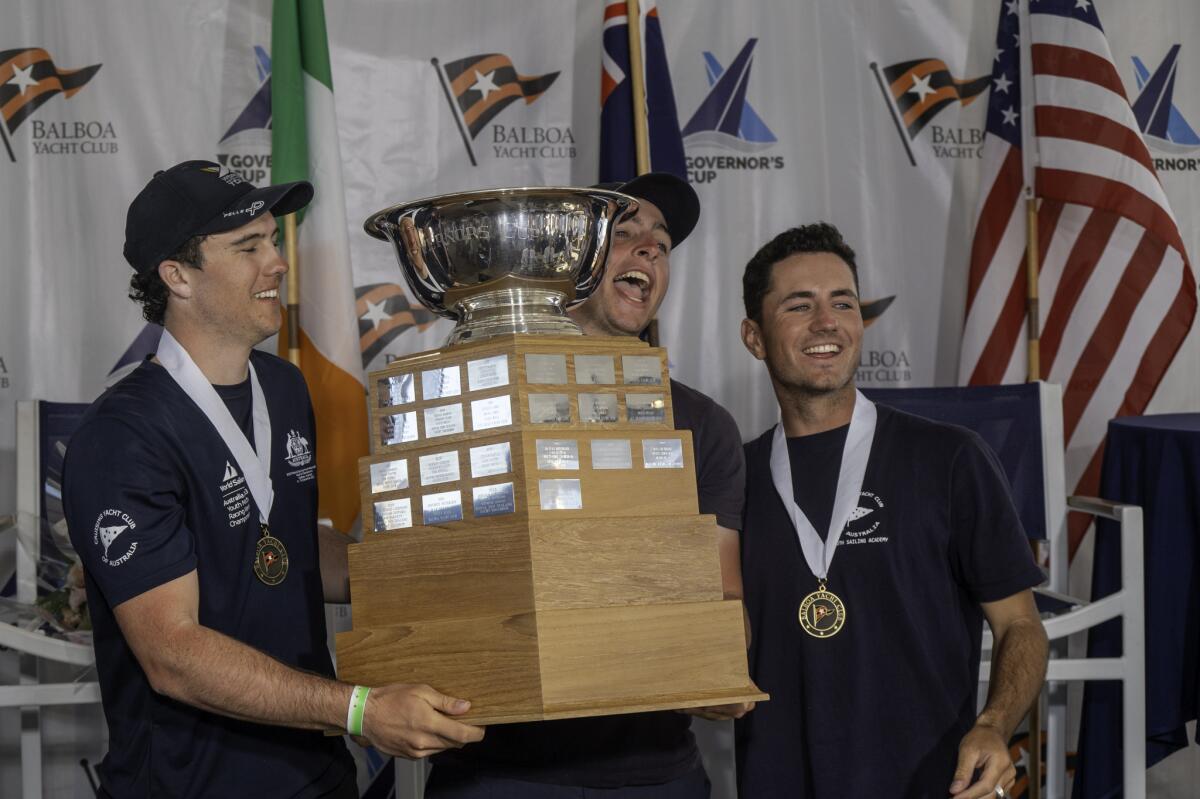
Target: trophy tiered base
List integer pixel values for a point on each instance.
(533, 541)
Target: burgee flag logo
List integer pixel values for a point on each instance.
(28, 79)
(479, 87)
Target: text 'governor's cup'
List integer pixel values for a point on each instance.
(504, 261)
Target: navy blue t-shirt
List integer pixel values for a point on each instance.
(879, 708)
(641, 748)
(152, 493)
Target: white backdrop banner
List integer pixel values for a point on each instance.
(436, 96)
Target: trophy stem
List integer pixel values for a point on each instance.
(512, 310)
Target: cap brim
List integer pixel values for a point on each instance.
(279, 200)
(674, 197)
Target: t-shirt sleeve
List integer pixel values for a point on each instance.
(124, 512)
(721, 468)
(991, 552)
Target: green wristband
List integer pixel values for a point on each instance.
(358, 706)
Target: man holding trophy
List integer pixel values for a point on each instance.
(205, 568)
(644, 754)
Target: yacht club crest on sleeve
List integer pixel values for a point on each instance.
(298, 455)
(109, 527)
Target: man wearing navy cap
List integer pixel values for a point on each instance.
(647, 755)
(190, 492)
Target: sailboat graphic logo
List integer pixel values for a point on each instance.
(725, 118)
(1161, 122)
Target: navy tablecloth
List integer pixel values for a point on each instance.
(1154, 462)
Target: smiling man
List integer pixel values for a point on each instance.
(871, 657)
(198, 533)
(648, 755)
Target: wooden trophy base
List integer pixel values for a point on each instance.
(532, 537)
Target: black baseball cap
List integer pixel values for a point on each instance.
(674, 196)
(194, 198)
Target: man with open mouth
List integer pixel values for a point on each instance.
(648, 754)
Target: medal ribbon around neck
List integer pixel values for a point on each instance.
(255, 465)
(817, 553)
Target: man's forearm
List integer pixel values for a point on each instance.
(204, 668)
(1018, 670)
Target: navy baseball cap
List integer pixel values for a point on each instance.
(674, 196)
(194, 198)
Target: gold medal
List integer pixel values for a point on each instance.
(270, 558)
(822, 613)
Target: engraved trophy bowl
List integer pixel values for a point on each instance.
(503, 261)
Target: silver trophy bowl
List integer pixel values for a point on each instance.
(503, 261)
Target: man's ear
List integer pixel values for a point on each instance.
(753, 339)
(177, 277)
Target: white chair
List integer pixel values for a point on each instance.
(1036, 409)
(32, 647)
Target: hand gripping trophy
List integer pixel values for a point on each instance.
(532, 538)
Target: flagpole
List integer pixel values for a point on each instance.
(293, 288)
(1029, 158)
(641, 134)
(1029, 161)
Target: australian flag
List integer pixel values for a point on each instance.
(618, 160)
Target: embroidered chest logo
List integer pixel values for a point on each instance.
(235, 495)
(298, 455)
(109, 526)
(863, 525)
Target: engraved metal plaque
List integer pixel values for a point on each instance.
(645, 408)
(662, 453)
(491, 459)
(598, 408)
(642, 369)
(492, 500)
(546, 369)
(560, 494)
(398, 428)
(597, 370)
(491, 412)
(444, 420)
(389, 475)
(396, 390)
(484, 373)
(549, 408)
(557, 453)
(612, 454)
(439, 467)
(393, 514)
(443, 382)
(443, 507)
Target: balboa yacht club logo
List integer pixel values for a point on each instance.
(29, 79)
(385, 312)
(918, 91)
(1160, 120)
(109, 526)
(725, 120)
(245, 147)
(479, 87)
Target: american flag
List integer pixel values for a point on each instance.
(1117, 293)
(617, 150)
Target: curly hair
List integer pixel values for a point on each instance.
(817, 237)
(148, 289)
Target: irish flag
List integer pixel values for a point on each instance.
(304, 146)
